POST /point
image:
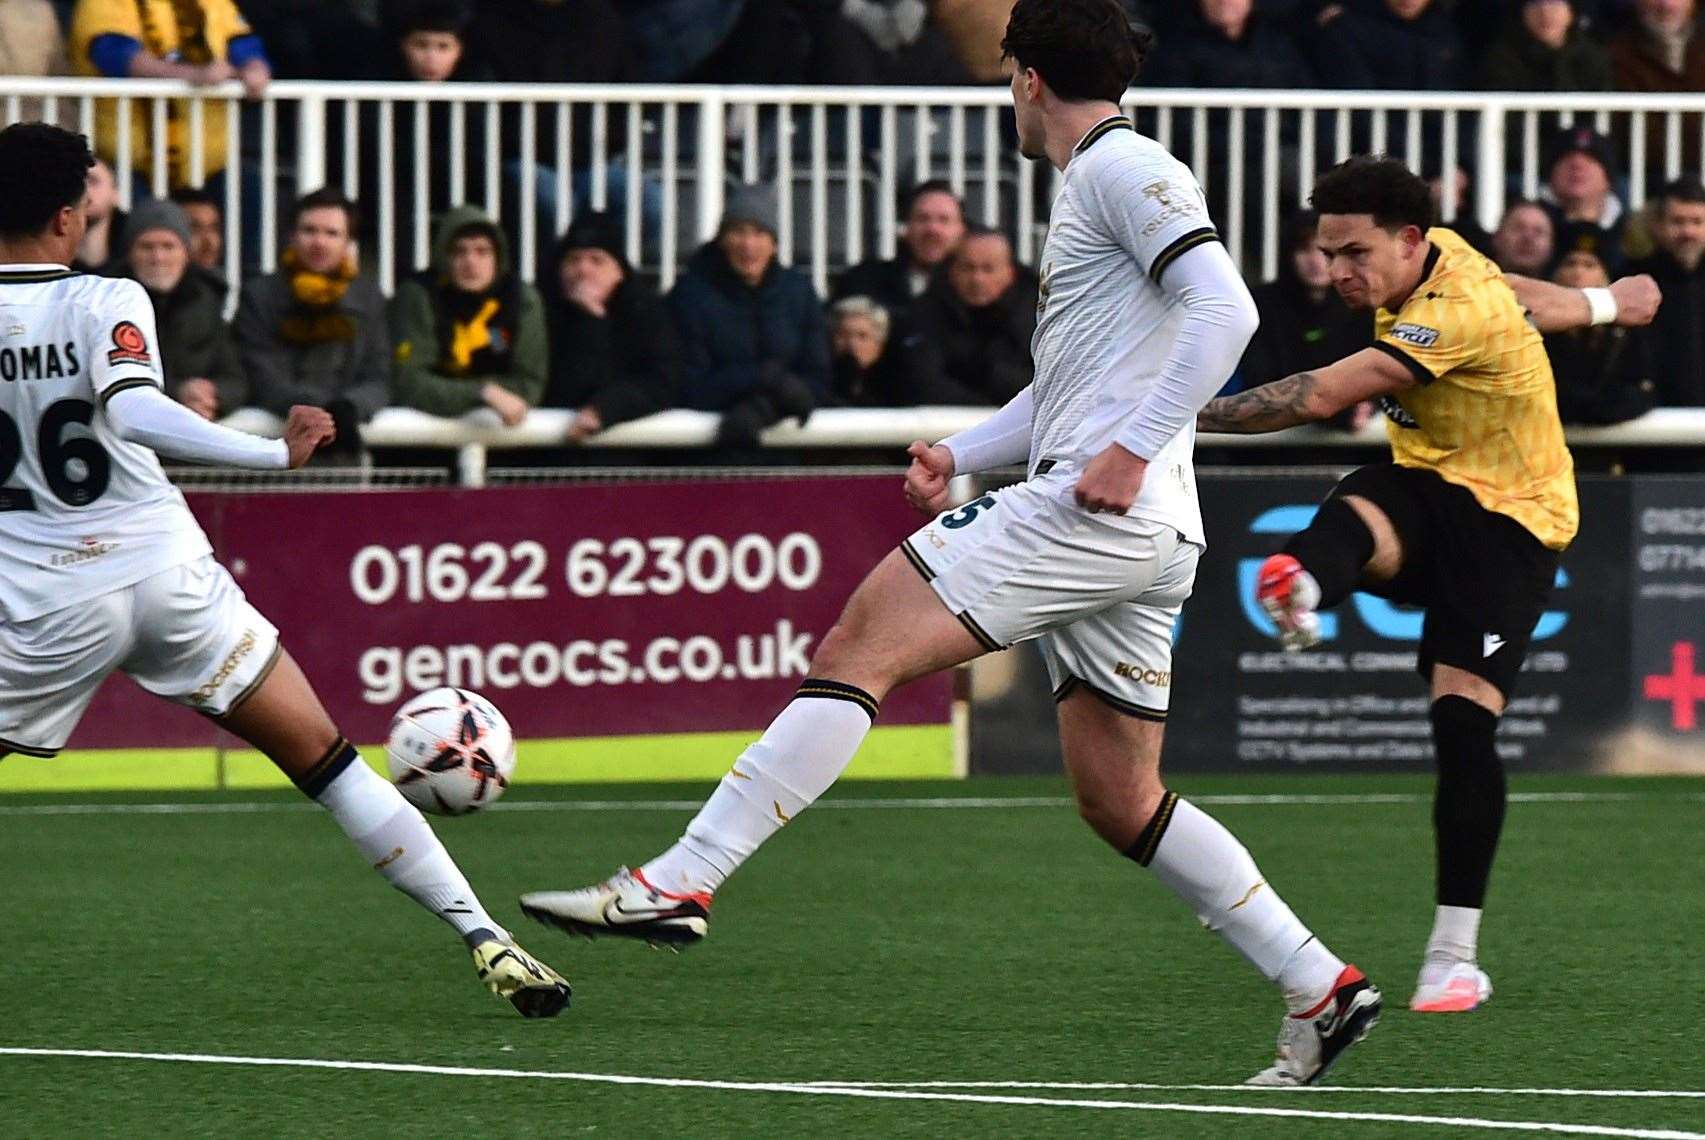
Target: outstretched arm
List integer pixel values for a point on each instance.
(1629, 301)
(1308, 396)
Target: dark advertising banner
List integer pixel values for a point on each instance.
(581, 610)
(1239, 701)
(1669, 612)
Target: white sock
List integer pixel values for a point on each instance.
(1202, 863)
(804, 750)
(397, 841)
(1456, 934)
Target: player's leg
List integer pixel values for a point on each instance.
(1111, 731)
(970, 581)
(1468, 818)
(200, 643)
(894, 629)
(1356, 537)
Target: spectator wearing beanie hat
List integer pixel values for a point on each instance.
(753, 335)
(202, 367)
(614, 355)
(1580, 184)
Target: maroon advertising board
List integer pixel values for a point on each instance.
(582, 610)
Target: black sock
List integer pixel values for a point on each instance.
(1334, 548)
(1468, 808)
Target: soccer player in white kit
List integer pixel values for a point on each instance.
(104, 569)
(1141, 318)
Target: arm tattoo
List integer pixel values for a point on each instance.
(1271, 407)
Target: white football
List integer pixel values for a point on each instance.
(450, 752)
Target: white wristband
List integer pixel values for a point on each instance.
(1602, 302)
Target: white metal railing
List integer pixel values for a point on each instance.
(661, 155)
(478, 433)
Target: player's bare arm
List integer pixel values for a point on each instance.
(1307, 396)
(1629, 302)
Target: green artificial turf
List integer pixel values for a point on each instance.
(900, 944)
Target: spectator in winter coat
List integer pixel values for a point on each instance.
(314, 332)
(753, 335)
(203, 370)
(934, 224)
(968, 339)
(1525, 241)
(426, 47)
(1579, 187)
(614, 355)
(1226, 43)
(1304, 324)
(1392, 45)
(863, 369)
(1662, 52)
(1544, 48)
(1597, 369)
(469, 333)
(1673, 346)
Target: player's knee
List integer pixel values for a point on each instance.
(1118, 814)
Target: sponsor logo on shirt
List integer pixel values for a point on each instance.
(1160, 678)
(91, 549)
(1397, 413)
(207, 692)
(1172, 203)
(129, 345)
(1418, 335)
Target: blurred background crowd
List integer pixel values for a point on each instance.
(947, 320)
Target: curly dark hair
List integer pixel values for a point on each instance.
(43, 169)
(1377, 185)
(1084, 49)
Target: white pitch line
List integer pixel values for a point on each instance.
(1383, 1090)
(867, 1093)
(938, 803)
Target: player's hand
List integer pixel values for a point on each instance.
(1637, 300)
(927, 477)
(306, 431)
(586, 422)
(1111, 481)
(200, 397)
(510, 408)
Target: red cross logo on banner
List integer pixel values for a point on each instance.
(1681, 686)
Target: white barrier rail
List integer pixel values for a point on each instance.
(478, 433)
(661, 156)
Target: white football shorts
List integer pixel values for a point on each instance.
(186, 634)
(1101, 592)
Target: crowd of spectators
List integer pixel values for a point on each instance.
(947, 320)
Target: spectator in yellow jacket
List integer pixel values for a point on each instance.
(203, 42)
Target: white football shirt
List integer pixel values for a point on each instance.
(1126, 210)
(82, 512)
